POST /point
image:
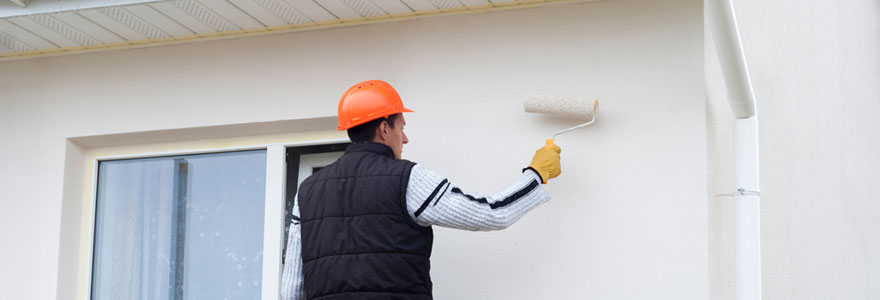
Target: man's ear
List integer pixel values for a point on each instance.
(382, 131)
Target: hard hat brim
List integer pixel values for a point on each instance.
(355, 124)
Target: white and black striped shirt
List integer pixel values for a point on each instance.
(432, 199)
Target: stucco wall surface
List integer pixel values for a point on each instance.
(815, 67)
(628, 217)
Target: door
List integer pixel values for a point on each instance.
(302, 163)
(311, 163)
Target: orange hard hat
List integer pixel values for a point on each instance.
(367, 101)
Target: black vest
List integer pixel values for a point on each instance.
(358, 241)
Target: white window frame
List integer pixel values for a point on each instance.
(273, 226)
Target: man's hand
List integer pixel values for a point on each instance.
(546, 162)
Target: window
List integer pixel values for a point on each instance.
(180, 227)
(197, 226)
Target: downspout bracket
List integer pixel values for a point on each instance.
(745, 192)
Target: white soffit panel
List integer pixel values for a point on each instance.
(122, 16)
(72, 26)
(420, 5)
(312, 10)
(364, 8)
(339, 9)
(16, 46)
(87, 27)
(206, 15)
(41, 30)
(100, 18)
(284, 11)
(446, 4)
(474, 2)
(56, 24)
(259, 12)
(231, 13)
(25, 37)
(159, 20)
(188, 20)
(393, 6)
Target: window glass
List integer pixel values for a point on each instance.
(183, 227)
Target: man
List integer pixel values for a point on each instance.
(362, 225)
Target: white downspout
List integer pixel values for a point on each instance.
(742, 102)
(748, 209)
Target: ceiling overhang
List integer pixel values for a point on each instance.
(44, 28)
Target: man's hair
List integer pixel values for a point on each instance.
(367, 131)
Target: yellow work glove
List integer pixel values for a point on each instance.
(546, 162)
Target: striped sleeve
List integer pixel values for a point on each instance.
(292, 277)
(432, 199)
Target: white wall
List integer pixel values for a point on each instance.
(628, 218)
(815, 67)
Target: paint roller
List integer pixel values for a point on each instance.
(566, 106)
